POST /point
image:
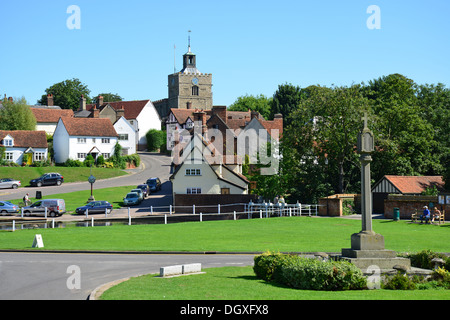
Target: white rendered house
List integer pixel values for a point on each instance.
(20, 142)
(75, 138)
(127, 136)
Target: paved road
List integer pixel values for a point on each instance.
(153, 165)
(51, 276)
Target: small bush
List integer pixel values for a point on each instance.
(423, 259)
(309, 274)
(265, 264)
(399, 282)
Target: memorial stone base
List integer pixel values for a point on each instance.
(367, 249)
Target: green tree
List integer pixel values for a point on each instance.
(108, 97)
(285, 101)
(17, 115)
(260, 103)
(67, 94)
(155, 139)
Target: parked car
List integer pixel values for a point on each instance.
(47, 179)
(154, 184)
(55, 207)
(7, 207)
(131, 198)
(9, 183)
(139, 192)
(95, 207)
(145, 189)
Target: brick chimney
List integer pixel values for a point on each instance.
(82, 103)
(221, 112)
(95, 112)
(254, 114)
(200, 118)
(99, 101)
(50, 100)
(120, 113)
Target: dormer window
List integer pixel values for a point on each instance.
(8, 141)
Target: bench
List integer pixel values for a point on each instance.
(415, 217)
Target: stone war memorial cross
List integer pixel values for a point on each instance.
(367, 247)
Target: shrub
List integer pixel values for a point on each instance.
(100, 160)
(155, 139)
(265, 264)
(423, 259)
(73, 163)
(309, 274)
(89, 161)
(399, 282)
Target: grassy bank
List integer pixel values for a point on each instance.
(78, 174)
(240, 283)
(296, 234)
(77, 199)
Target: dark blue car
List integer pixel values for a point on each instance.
(95, 207)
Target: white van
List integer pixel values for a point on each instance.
(55, 207)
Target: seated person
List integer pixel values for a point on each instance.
(425, 215)
(436, 214)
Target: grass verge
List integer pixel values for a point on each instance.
(70, 174)
(240, 283)
(286, 234)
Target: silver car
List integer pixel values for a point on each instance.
(7, 207)
(9, 183)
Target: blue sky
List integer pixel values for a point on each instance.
(250, 47)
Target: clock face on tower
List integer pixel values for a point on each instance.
(195, 81)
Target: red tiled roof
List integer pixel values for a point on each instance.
(415, 184)
(90, 127)
(132, 108)
(26, 139)
(50, 115)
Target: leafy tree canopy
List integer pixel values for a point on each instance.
(67, 94)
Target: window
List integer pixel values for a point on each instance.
(106, 155)
(193, 172)
(123, 137)
(225, 190)
(39, 156)
(81, 155)
(194, 191)
(7, 142)
(93, 140)
(195, 91)
(81, 140)
(105, 140)
(8, 156)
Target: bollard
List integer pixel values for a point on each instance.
(201, 217)
(53, 223)
(92, 221)
(14, 225)
(129, 220)
(193, 208)
(151, 209)
(218, 208)
(290, 212)
(170, 209)
(21, 215)
(260, 214)
(234, 215)
(165, 219)
(45, 209)
(87, 213)
(106, 213)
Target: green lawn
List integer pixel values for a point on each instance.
(70, 174)
(295, 234)
(240, 283)
(77, 199)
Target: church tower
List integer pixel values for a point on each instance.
(189, 88)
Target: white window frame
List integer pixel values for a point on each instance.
(8, 142)
(81, 155)
(39, 156)
(8, 156)
(106, 140)
(81, 140)
(194, 190)
(193, 172)
(123, 137)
